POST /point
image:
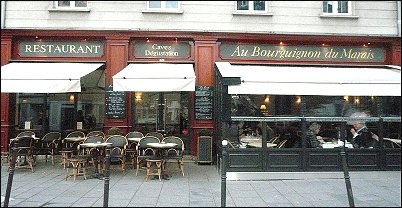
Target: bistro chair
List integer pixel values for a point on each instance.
(96, 133)
(131, 151)
(26, 133)
(69, 148)
(118, 149)
(175, 153)
(282, 143)
(49, 144)
(144, 152)
(24, 149)
(90, 154)
(156, 134)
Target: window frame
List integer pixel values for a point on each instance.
(335, 8)
(72, 7)
(163, 8)
(251, 10)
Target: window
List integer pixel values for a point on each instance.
(251, 6)
(71, 4)
(337, 7)
(163, 5)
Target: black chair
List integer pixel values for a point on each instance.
(96, 133)
(144, 152)
(156, 134)
(24, 150)
(118, 150)
(131, 151)
(175, 153)
(26, 133)
(49, 144)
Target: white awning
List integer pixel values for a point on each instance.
(44, 77)
(301, 80)
(155, 77)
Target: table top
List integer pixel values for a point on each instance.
(74, 139)
(330, 145)
(259, 144)
(89, 144)
(134, 139)
(250, 139)
(162, 145)
(35, 138)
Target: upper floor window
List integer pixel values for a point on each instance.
(337, 7)
(251, 6)
(163, 5)
(71, 4)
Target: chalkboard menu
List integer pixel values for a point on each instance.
(203, 102)
(115, 103)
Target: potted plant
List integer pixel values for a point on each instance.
(114, 131)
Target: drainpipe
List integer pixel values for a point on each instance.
(3, 14)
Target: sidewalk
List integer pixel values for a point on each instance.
(201, 187)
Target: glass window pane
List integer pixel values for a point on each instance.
(339, 106)
(242, 5)
(342, 7)
(265, 105)
(327, 7)
(81, 4)
(63, 3)
(154, 4)
(259, 5)
(30, 109)
(172, 4)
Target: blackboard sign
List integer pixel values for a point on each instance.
(203, 102)
(115, 103)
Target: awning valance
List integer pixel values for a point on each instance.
(155, 77)
(313, 80)
(44, 77)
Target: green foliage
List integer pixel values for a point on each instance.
(205, 132)
(114, 131)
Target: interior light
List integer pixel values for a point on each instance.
(266, 100)
(71, 98)
(263, 107)
(298, 99)
(346, 98)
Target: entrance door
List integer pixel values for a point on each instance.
(164, 112)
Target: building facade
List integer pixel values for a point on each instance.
(117, 34)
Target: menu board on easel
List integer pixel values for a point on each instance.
(203, 102)
(115, 103)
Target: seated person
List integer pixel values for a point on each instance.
(362, 137)
(314, 141)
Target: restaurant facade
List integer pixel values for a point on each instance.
(184, 85)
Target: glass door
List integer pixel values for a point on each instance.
(164, 112)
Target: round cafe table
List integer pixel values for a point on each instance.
(99, 156)
(159, 147)
(134, 139)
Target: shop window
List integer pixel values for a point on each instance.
(30, 110)
(265, 105)
(339, 106)
(337, 7)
